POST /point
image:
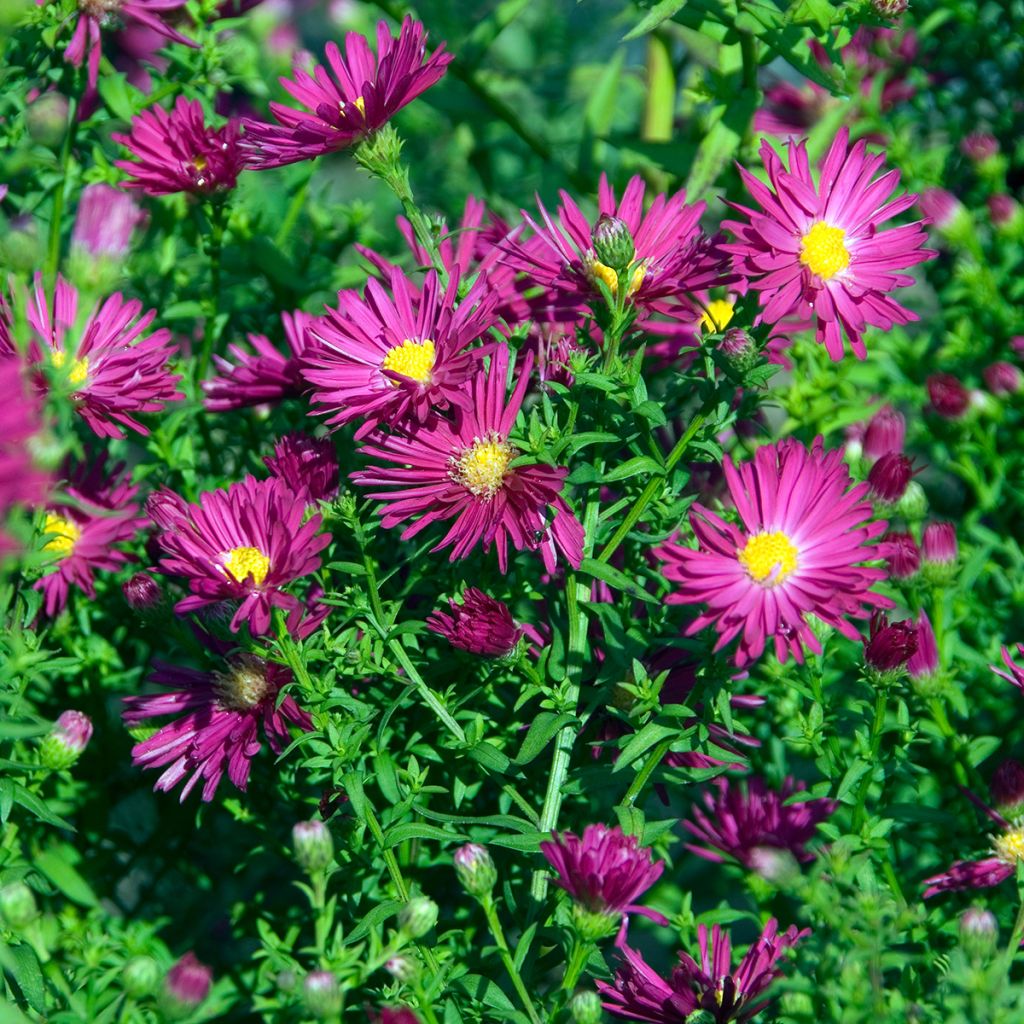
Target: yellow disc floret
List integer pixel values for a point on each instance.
(717, 315)
(768, 557)
(412, 359)
(823, 250)
(597, 271)
(1009, 847)
(64, 533)
(482, 467)
(79, 368)
(244, 685)
(244, 562)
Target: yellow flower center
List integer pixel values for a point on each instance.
(64, 532)
(1009, 847)
(481, 468)
(599, 272)
(244, 686)
(79, 368)
(719, 313)
(243, 563)
(199, 163)
(360, 104)
(768, 557)
(412, 359)
(823, 250)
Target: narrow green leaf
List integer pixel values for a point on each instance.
(65, 878)
(543, 727)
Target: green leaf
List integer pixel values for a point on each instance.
(853, 775)
(632, 467)
(490, 756)
(543, 727)
(21, 962)
(117, 95)
(653, 18)
(419, 830)
(37, 807)
(65, 878)
(616, 579)
(648, 736)
(373, 919)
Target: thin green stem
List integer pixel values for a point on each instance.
(214, 249)
(294, 208)
(57, 214)
(577, 961)
(874, 747)
(641, 777)
(1016, 935)
(389, 856)
(498, 933)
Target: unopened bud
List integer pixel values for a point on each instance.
(402, 968)
(20, 247)
(186, 985)
(979, 933)
(889, 8)
(890, 645)
(885, 433)
(774, 865)
(418, 916)
(594, 925)
(475, 869)
(948, 397)
(1003, 378)
(585, 1007)
(613, 244)
(64, 745)
(47, 119)
(904, 558)
(142, 593)
(914, 503)
(140, 976)
(889, 477)
(951, 218)
(939, 552)
(1008, 789)
(313, 845)
(17, 905)
(321, 993)
(739, 348)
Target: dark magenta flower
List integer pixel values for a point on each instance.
(244, 544)
(481, 624)
(889, 477)
(638, 993)
(308, 465)
(142, 593)
(904, 558)
(741, 819)
(948, 397)
(353, 96)
(176, 151)
(939, 544)
(889, 645)
(219, 716)
(885, 433)
(1003, 378)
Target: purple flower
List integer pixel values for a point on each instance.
(740, 820)
(889, 644)
(639, 993)
(904, 558)
(187, 983)
(220, 715)
(480, 624)
(889, 477)
(885, 433)
(142, 593)
(104, 222)
(924, 662)
(352, 97)
(948, 397)
(308, 465)
(1003, 378)
(939, 544)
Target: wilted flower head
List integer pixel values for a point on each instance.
(187, 984)
(889, 645)
(948, 397)
(904, 558)
(480, 624)
(308, 465)
(176, 151)
(885, 433)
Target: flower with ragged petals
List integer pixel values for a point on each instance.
(244, 544)
(462, 471)
(92, 513)
(805, 534)
(638, 992)
(218, 718)
(820, 248)
(739, 820)
(263, 375)
(398, 358)
(672, 255)
(177, 151)
(350, 98)
(308, 465)
(481, 624)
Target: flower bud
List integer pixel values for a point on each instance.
(17, 905)
(979, 933)
(47, 119)
(948, 397)
(475, 869)
(1005, 213)
(140, 976)
(951, 218)
(142, 593)
(418, 916)
(1003, 378)
(594, 925)
(914, 503)
(979, 147)
(885, 433)
(64, 745)
(585, 1007)
(613, 244)
(939, 551)
(1008, 789)
(924, 662)
(321, 993)
(890, 9)
(889, 645)
(397, 1015)
(186, 985)
(889, 477)
(313, 845)
(774, 865)
(904, 558)
(20, 248)
(739, 348)
(402, 968)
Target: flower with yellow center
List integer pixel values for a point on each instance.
(359, 103)
(768, 558)
(482, 467)
(64, 534)
(244, 685)
(79, 368)
(412, 359)
(244, 562)
(823, 250)
(1009, 847)
(597, 271)
(717, 315)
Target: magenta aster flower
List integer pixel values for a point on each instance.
(904, 558)
(605, 871)
(176, 151)
(92, 513)
(263, 375)
(241, 544)
(481, 624)
(350, 98)
(112, 370)
(308, 465)
(396, 359)
(672, 256)
(805, 532)
(820, 248)
(924, 662)
(743, 819)
(104, 223)
(1015, 676)
(462, 471)
(889, 645)
(638, 993)
(885, 433)
(219, 716)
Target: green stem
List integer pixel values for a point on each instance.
(53, 250)
(389, 855)
(641, 777)
(875, 744)
(294, 208)
(577, 961)
(423, 1001)
(1015, 936)
(214, 249)
(318, 903)
(498, 934)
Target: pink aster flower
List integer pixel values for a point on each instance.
(743, 819)
(264, 374)
(820, 248)
(398, 358)
(462, 470)
(308, 465)
(637, 992)
(241, 544)
(353, 96)
(605, 871)
(218, 716)
(104, 223)
(672, 255)
(186, 985)
(91, 514)
(481, 624)
(176, 151)
(805, 532)
(924, 662)
(112, 370)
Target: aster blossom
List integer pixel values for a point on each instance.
(92, 512)
(397, 358)
(353, 96)
(638, 992)
(820, 248)
(307, 465)
(462, 470)
(671, 253)
(218, 719)
(481, 624)
(241, 544)
(804, 534)
(739, 820)
(177, 151)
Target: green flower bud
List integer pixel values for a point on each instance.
(64, 745)
(313, 845)
(585, 1007)
(979, 933)
(418, 916)
(402, 968)
(914, 504)
(17, 905)
(613, 244)
(475, 869)
(140, 976)
(321, 993)
(594, 925)
(47, 119)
